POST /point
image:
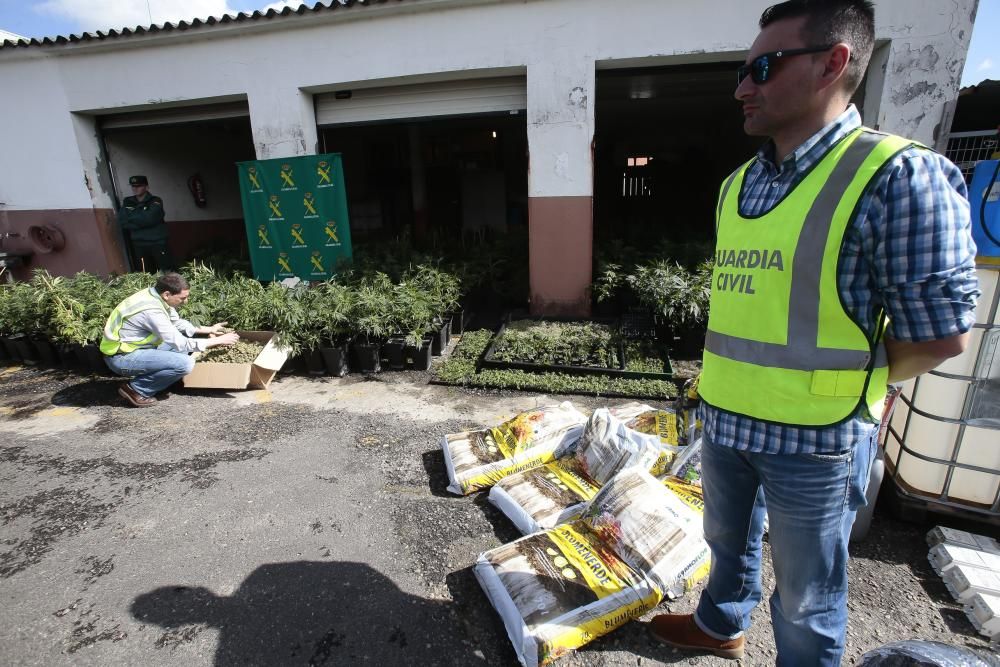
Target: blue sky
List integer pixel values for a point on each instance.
(41, 18)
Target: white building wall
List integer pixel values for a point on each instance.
(277, 64)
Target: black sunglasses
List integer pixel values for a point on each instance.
(759, 69)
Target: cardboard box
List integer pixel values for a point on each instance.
(256, 375)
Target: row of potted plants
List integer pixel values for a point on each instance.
(53, 320)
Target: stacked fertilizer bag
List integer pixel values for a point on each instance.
(614, 439)
(478, 459)
(635, 543)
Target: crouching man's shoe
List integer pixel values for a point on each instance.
(681, 631)
(135, 398)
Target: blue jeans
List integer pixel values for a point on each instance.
(811, 504)
(151, 370)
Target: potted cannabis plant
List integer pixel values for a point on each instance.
(371, 315)
(335, 301)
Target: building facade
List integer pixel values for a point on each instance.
(83, 113)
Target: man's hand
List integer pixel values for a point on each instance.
(224, 339)
(908, 360)
(215, 329)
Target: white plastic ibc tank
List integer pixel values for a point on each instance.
(946, 398)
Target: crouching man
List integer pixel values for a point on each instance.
(146, 340)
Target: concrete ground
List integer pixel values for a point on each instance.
(307, 524)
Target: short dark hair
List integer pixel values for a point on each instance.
(831, 22)
(171, 282)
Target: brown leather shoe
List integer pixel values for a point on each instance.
(135, 398)
(681, 631)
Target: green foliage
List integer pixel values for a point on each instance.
(680, 296)
(558, 344)
(460, 369)
(677, 289)
(373, 307)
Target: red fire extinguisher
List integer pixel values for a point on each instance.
(197, 189)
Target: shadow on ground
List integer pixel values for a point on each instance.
(90, 393)
(314, 613)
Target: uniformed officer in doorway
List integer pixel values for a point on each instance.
(141, 220)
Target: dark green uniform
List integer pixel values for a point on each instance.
(142, 223)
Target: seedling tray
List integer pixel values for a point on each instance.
(489, 360)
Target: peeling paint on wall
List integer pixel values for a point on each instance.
(925, 59)
(912, 92)
(578, 97)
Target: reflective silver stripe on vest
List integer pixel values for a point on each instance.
(801, 351)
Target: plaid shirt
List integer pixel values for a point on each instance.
(909, 251)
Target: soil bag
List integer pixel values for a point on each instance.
(478, 459)
(558, 589)
(917, 653)
(558, 492)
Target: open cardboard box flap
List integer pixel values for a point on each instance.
(255, 375)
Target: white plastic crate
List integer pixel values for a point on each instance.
(943, 535)
(984, 612)
(945, 556)
(964, 581)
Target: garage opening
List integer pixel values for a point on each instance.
(438, 170)
(665, 139)
(177, 149)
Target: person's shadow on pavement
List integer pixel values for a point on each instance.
(316, 613)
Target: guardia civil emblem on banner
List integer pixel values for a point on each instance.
(263, 240)
(274, 208)
(324, 179)
(309, 205)
(330, 234)
(296, 231)
(287, 182)
(254, 180)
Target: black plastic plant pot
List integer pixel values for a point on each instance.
(457, 322)
(68, 355)
(421, 356)
(92, 359)
(446, 327)
(439, 340)
(293, 365)
(46, 352)
(393, 351)
(367, 357)
(335, 360)
(12, 351)
(314, 362)
(25, 349)
(5, 357)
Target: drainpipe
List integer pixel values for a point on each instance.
(120, 233)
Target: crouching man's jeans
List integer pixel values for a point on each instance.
(811, 504)
(151, 370)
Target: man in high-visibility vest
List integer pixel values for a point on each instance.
(146, 340)
(844, 261)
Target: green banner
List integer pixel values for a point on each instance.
(295, 210)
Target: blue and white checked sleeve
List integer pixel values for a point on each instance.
(918, 239)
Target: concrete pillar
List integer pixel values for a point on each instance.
(283, 122)
(915, 76)
(560, 184)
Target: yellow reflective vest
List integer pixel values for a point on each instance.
(111, 343)
(780, 346)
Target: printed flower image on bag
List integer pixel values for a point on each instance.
(478, 459)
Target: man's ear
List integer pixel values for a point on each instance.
(835, 63)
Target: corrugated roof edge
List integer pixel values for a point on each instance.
(185, 25)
